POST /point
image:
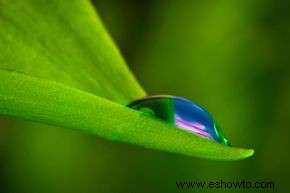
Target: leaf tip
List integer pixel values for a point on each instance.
(246, 153)
(249, 153)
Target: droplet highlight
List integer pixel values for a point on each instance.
(182, 113)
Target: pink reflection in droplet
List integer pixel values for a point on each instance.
(194, 127)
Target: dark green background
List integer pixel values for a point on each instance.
(231, 57)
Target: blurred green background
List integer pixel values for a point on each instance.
(231, 57)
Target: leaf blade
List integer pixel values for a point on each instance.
(71, 46)
(22, 96)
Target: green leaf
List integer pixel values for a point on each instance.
(64, 41)
(56, 104)
(59, 66)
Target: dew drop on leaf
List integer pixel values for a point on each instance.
(182, 113)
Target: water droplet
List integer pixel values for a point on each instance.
(182, 113)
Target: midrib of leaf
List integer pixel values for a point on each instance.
(22, 96)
